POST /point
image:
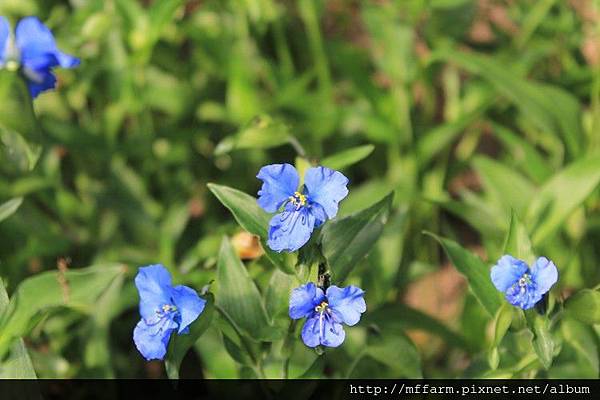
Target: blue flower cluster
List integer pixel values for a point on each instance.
(34, 49)
(522, 286)
(164, 309)
(325, 312)
(301, 209)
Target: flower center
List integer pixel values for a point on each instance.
(524, 280)
(322, 307)
(166, 308)
(298, 200)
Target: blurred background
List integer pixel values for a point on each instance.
(471, 108)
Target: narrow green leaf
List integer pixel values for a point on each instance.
(9, 208)
(394, 346)
(561, 195)
(542, 341)
(584, 306)
(508, 187)
(502, 322)
(239, 297)
(17, 156)
(16, 113)
(18, 364)
(550, 108)
(180, 344)
(278, 293)
(524, 154)
(77, 289)
(409, 318)
(476, 272)
(442, 136)
(348, 157)
(580, 345)
(517, 242)
(262, 132)
(252, 218)
(348, 240)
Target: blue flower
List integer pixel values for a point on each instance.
(325, 312)
(521, 285)
(35, 49)
(302, 209)
(164, 309)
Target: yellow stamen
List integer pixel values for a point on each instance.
(321, 307)
(168, 307)
(298, 199)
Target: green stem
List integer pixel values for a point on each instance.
(289, 344)
(352, 367)
(297, 146)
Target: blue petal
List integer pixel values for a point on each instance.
(326, 187)
(154, 286)
(39, 81)
(525, 297)
(544, 274)
(290, 229)
(304, 299)
(4, 35)
(324, 330)
(507, 272)
(319, 213)
(347, 303)
(189, 305)
(152, 339)
(36, 42)
(280, 181)
(310, 332)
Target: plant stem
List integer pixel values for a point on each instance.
(289, 343)
(355, 363)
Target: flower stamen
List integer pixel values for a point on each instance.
(298, 200)
(166, 308)
(321, 308)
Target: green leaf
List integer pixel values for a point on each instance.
(542, 341)
(508, 187)
(517, 241)
(443, 135)
(502, 322)
(278, 293)
(10, 207)
(347, 241)
(348, 157)
(476, 272)
(16, 113)
(17, 156)
(20, 139)
(584, 306)
(18, 364)
(409, 318)
(393, 346)
(252, 218)
(262, 132)
(580, 350)
(97, 352)
(551, 109)
(561, 195)
(78, 289)
(239, 297)
(523, 153)
(180, 344)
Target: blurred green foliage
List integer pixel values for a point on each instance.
(474, 113)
